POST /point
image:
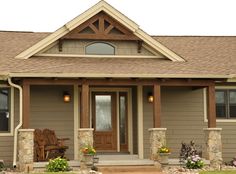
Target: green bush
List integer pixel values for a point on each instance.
(1, 166)
(194, 162)
(57, 165)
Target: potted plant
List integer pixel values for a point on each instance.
(88, 153)
(164, 153)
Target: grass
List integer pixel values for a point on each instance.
(219, 172)
(55, 173)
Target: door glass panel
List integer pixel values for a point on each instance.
(103, 113)
(122, 119)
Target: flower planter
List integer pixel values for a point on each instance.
(164, 158)
(88, 159)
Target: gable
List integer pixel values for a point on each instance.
(104, 22)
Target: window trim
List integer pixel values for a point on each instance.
(11, 109)
(219, 120)
(104, 42)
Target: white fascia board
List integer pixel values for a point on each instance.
(42, 44)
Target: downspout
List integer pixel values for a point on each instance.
(20, 122)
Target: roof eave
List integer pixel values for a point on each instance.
(96, 75)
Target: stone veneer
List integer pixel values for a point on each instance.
(26, 149)
(85, 138)
(157, 140)
(214, 146)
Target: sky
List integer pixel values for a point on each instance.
(156, 17)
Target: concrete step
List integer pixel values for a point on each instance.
(128, 169)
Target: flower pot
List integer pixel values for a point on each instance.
(164, 158)
(88, 159)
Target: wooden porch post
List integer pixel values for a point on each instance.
(211, 105)
(26, 105)
(85, 119)
(157, 106)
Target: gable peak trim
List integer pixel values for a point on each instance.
(107, 8)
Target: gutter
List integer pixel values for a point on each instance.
(20, 122)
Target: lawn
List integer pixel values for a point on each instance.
(56, 173)
(220, 172)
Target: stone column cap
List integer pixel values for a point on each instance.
(86, 129)
(157, 129)
(26, 130)
(212, 129)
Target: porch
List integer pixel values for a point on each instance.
(170, 95)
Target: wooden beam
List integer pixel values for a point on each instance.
(186, 82)
(85, 118)
(121, 82)
(102, 36)
(157, 106)
(211, 105)
(101, 24)
(41, 81)
(26, 105)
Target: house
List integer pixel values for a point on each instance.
(129, 92)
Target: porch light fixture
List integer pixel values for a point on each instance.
(66, 97)
(150, 97)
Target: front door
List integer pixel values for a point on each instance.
(104, 121)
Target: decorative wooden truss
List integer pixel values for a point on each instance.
(101, 27)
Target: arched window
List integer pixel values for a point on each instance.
(100, 48)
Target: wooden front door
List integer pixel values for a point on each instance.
(104, 121)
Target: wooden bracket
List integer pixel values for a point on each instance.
(60, 44)
(140, 43)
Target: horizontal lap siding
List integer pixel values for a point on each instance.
(182, 115)
(47, 110)
(228, 140)
(78, 47)
(7, 142)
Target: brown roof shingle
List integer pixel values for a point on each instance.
(203, 55)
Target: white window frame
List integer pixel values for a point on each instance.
(219, 120)
(11, 132)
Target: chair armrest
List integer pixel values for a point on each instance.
(61, 141)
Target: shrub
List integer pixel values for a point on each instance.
(1, 166)
(57, 165)
(190, 149)
(233, 162)
(194, 162)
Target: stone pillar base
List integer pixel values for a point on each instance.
(157, 140)
(26, 150)
(213, 146)
(85, 138)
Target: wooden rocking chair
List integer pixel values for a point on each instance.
(54, 147)
(39, 145)
(47, 145)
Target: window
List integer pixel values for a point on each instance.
(100, 48)
(5, 110)
(226, 104)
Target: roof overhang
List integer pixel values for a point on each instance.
(84, 75)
